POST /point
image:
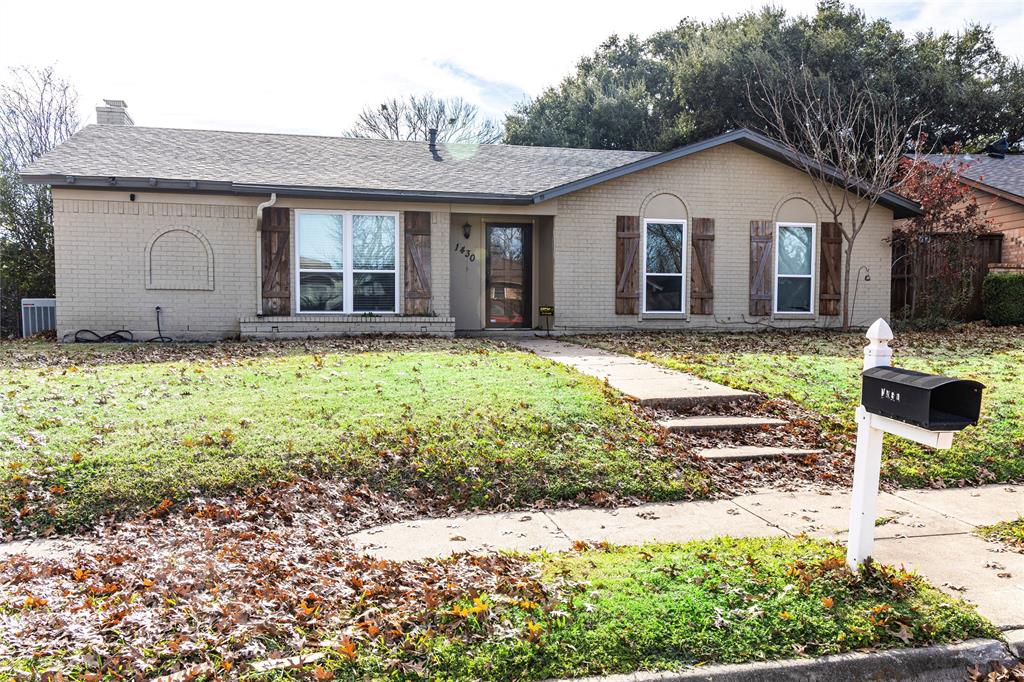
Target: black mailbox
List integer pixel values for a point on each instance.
(933, 402)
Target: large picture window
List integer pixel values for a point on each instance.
(794, 268)
(664, 285)
(347, 262)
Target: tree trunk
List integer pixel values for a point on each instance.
(846, 284)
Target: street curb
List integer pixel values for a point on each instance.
(1015, 640)
(945, 663)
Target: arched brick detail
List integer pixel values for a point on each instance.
(179, 258)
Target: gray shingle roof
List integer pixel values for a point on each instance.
(310, 161)
(1003, 174)
(259, 163)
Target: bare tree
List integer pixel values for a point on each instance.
(38, 111)
(411, 118)
(849, 142)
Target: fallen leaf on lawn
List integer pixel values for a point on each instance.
(188, 674)
(903, 633)
(347, 648)
(283, 663)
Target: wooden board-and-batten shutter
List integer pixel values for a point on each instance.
(702, 270)
(276, 265)
(829, 287)
(417, 263)
(627, 265)
(760, 268)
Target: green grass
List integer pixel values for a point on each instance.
(1008, 532)
(660, 607)
(821, 371)
(655, 607)
(94, 431)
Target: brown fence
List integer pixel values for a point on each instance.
(942, 274)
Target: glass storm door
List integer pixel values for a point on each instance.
(508, 276)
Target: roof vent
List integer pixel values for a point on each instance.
(432, 143)
(998, 149)
(115, 113)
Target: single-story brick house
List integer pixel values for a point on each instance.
(269, 235)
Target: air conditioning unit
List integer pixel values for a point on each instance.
(38, 315)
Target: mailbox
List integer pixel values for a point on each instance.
(933, 402)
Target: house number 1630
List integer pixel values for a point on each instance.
(461, 248)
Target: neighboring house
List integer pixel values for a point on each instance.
(997, 181)
(279, 236)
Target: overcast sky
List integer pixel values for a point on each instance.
(308, 67)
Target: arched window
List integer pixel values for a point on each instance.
(664, 248)
(796, 236)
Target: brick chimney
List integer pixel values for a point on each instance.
(115, 113)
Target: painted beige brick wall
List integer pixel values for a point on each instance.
(103, 242)
(100, 251)
(731, 184)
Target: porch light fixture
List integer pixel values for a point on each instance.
(466, 229)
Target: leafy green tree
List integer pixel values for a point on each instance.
(613, 101)
(38, 111)
(692, 81)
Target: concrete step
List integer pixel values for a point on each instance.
(718, 423)
(741, 453)
(655, 397)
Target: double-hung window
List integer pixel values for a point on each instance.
(664, 281)
(794, 268)
(347, 262)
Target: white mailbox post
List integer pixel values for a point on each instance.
(950, 405)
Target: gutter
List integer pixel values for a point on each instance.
(244, 189)
(259, 251)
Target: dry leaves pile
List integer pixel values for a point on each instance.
(236, 581)
(996, 672)
(803, 430)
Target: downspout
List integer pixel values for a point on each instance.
(259, 251)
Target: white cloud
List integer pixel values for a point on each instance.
(310, 67)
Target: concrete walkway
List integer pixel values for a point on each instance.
(927, 530)
(650, 384)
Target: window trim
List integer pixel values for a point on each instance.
(813, 311)
(347, 270)
(683, 270)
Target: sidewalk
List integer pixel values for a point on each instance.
(650, 384)
(927, 530)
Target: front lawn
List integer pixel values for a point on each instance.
(821, 371)
(662, 607)
(226, 588)
(93, 430)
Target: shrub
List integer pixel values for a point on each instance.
(1002, 294)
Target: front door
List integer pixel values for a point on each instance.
(508, 276)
